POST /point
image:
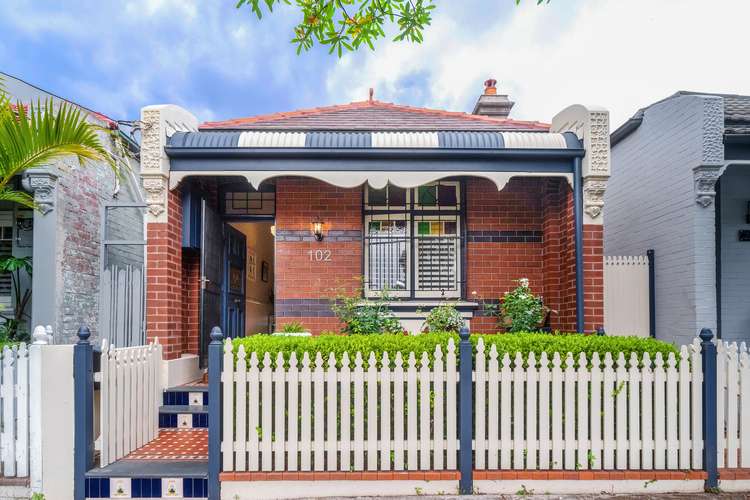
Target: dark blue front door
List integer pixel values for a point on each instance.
(234, 282)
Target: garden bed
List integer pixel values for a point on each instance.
(405, 344)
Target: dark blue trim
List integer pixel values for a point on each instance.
(578, 215)
(708, 361)
(338, 140)
(83, 381)
(448, 164)
(465, 414)
(367, 153)
(471, 140)
(651, 293)
(572, 141)
(215, 358)
(204, 140)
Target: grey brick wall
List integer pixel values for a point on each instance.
(650, 203)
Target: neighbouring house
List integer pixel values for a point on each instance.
(257, 222)
(680, 185)
(86, 239)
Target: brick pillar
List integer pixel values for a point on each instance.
(593, 276)
(164, 279)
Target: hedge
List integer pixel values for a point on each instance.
(405, 344)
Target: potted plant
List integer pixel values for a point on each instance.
(520, 310)
(13, 327)
(292, 329)
(444, 318)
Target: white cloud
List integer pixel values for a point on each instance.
(622, 55)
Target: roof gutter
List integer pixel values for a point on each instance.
(372, 153)
(625, 130)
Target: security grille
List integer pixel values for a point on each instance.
(413, 241)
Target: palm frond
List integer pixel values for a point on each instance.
(20, 197)
(44, 134)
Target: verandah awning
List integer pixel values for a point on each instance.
(349, 159)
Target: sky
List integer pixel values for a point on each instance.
(116, 56)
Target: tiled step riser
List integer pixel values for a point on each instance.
(185, 398)
(146, 487)
(183, 420)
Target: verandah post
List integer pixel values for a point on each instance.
(215, 351)
(651, 293)
(708, 361)
(83, 378)
(465, 414)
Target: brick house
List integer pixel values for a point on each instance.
(257, 222)
(74, 238)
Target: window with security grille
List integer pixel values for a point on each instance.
(6, 250)
(413, 241)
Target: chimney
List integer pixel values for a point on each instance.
(492, 104)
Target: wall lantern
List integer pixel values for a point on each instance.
(317, 229)
(273, 230)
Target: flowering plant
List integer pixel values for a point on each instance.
(520, 309)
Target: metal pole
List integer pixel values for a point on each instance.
(83, 379)
(465, 414)
(215, 358)
(708, 360)
(578, 216)
(651, 294)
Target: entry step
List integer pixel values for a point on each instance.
(183, 417)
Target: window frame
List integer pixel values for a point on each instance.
(414, 213)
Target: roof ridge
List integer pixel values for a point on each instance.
(370, 104)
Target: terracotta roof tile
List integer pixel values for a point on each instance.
(374, 115)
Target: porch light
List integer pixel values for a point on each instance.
(273, 230)
(317, 229)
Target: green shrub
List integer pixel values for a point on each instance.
(520, 310)
(365, 317)
(405, 344)
(444, 318)
(293, 327)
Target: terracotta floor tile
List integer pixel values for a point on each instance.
(171, 444)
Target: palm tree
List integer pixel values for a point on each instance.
(38, 135)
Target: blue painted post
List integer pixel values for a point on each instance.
(578, 216)
(651, 293)
(83, 439)
(215, 358)
(708, 360)
(465, 414)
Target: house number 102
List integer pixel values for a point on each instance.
(319, 255)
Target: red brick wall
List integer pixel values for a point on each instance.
(304, 285)
(164, 280)
(504, 241)
(191, 276)
(593, 276)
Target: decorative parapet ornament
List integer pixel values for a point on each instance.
(43, 184)
(705, 178)
(158, 123)
(591, 126)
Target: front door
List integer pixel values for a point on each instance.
(234, 283)
(212, 277)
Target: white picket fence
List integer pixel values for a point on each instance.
(530, 412)
(626, 295)
(14, 411)
(733, 404)
(131, 393)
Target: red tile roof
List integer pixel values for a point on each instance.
(374, 115)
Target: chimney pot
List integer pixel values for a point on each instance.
(492, 104)
(489, 86)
